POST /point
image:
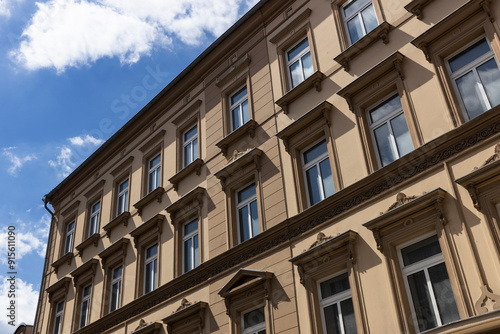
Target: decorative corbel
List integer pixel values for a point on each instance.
(223, 182)
(169, 329)
(378, 239)
(326, 116)
(351, 251)
(438, 204)
(223, 149)
(417, 11)
(284, 107)
(485, 4)
(227, 302)
(345, 64)
(348, 98)
(384, 35)
(317, 84)
(256, 161)
(267, 289)
(251, 130)
(485, 295)
(398, 65)
(425, 50)
(474, 196)
(302, 274)
(159, 196)
(286, 142)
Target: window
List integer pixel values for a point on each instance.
(238, 105)
(318, 173)
(150, 268)
(299, 63)
(116, 284)
(85, 308)
(254, 321)
(247, 213)
(94, 218)
(154, 173)
(336, 305)
(476, 78)
(122, 204)
(58, 318)
(427, 284)
(190, 145)
(391, 136)
(190, 245)
(68, 242)
(359, 19)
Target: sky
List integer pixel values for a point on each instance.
(72, 72)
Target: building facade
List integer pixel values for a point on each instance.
(323, 167)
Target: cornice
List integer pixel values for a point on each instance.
(194, 166)
(65, 258)
(382, 181)
(93, 239)
(121, 219)
(195, 195)
(88, 267)
(314, 80)
(143, 202)
(154, 222)
(119, 246)
(246, 129)
(416, 6)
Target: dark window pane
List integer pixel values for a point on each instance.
(334, 285)
(253, 318)
(255, 218)
(385, 108)
(402, 135)
(468, 55)
(369, 18)
(308, 65)
(326, 177)
(246, 193)
(421, 250)
(421, 301)
(353, 7)
(355, 29)
(332, 319)
(348, 318)
(315, 151)
(312, 185)
(295, 51)
(296, 73)
(470, 94)
(443, 293)
(384, 146)
(190, 227)
(490, 77)
(244, 224)
(239, 95)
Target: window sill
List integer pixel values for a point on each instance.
(183, 173)
(483, 323)
(65, 258)
(415, 7)
(121, 219)
(143, 202)
(246, 129)
(313, 81)
(93, 239)
(380, 32)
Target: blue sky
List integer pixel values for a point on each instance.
(71, 74)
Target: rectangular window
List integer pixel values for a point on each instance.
(239, 108)
(70, 232)
(116, 283)
(299, 63)
(359, 19)
(337, 310)
(122, 204)
(475, 76)
(84, 311)
(247, 213)
(94, 218)
(389, 130)
(190, 245)
(154, 173)
(58, 318)
(318, 173)
(190, 145)
(254, 321)
(427, 284)
(151, 268)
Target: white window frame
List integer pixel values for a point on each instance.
(115, 281)
(58, 315)
(190, 142)
(85, 299)
(335, 299)
(70, 235)
(254, 329)
(416, 267)
(298, 58)
(154, 258)
(246, 203)
(386, 120)
(238, 104)
(471, 67)
(315, 164)
(94, 218)
(357, 13)
(122, 201)
(156, 170)
(185, 238)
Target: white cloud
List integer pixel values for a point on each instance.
(5, 7)
(63, 163)
(72, 33)
(85, 140)
(26, 299)
(16, 161)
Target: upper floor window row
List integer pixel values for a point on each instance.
(359, 19)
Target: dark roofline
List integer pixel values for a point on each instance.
(163, 92)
